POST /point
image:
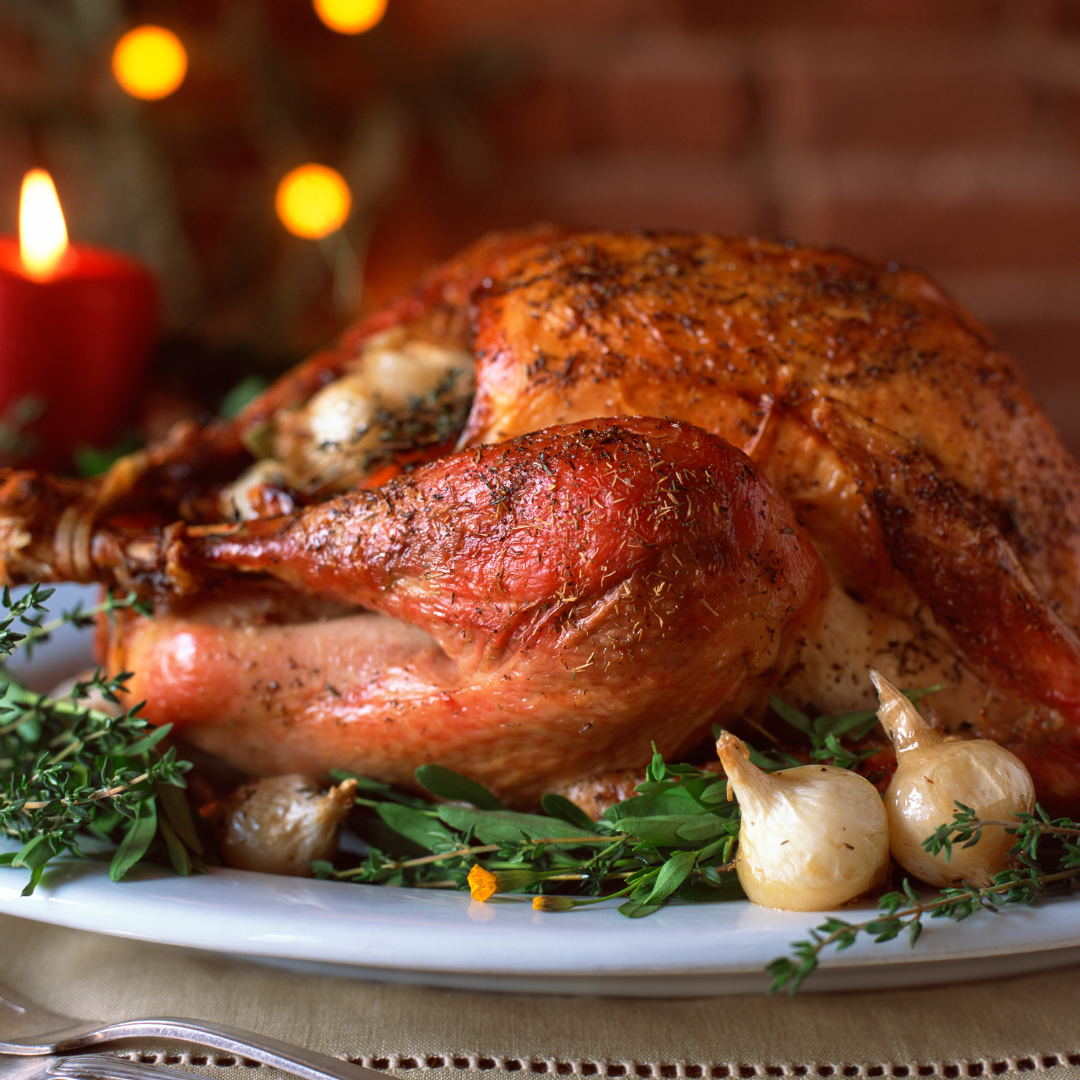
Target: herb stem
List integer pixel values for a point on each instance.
(96, 796)
(1042, 826)
(107, 606)
(483, 849)
(445, 855)
(891, 923)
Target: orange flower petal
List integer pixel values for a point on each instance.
(482, 883)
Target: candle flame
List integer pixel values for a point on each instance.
(43, 238)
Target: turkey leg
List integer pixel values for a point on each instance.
(541, 609)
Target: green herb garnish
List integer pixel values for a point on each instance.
(71, 774)
(674, 838)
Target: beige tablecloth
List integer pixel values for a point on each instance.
(1007, 1026)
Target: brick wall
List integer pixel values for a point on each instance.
(943, 133)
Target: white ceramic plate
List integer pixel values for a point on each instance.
(414, 935)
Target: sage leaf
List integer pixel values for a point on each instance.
(419, 826)
(715, 793)
(174, 803)
(506, 826)
(447, 784)
(558, 806)
(661, 831)
(704, 827)
(715, 848)
(672, 874)
(790, 714)
(35, 853)
(35, 878)
(637, 909)
(707, 892)
(676, 800)
(178, 853)
(136, 840)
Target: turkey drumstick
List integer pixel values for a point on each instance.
(546, 608)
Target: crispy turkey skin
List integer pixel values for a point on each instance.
(878, 413)
(547, 607)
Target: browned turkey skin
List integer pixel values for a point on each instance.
(886, 420)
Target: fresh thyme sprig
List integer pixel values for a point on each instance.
(74, 778)
(1026, 884)
(29, 609)
(966, 829)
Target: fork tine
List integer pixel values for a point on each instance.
(108, 1067)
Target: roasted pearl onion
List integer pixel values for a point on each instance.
(933, 773)
(811, 838)
(279, 824)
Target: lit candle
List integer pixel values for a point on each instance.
(76, 326)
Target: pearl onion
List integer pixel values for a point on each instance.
(811, 838)
(934, 771)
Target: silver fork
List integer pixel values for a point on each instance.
(87, 1067)
(107, 1067)
(28, 1030)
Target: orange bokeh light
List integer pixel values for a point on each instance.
(350, 16)
(149, 62)
(313, 201)
(43, 239)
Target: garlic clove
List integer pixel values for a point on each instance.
(933, 773)
(277, 825)
(811, 838)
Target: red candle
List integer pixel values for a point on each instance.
(76, 326)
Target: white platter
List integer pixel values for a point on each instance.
(443, 939)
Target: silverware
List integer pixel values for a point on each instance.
(107, 1067)
(87, 1067)
(27, 1030)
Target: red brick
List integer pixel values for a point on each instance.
(544, 115)
(442, 23)
(23, 76)
(665, 92)
(628, 191)
(1057, 81)
(832, 92)
(950, 211)
(758, 13)
(1049, 353)
(1065, 16)
(672, 92)
(1066, 119)
(1010, 297)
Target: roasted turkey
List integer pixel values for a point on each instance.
(582, 492)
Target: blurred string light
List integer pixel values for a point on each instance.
(43, 238)
(149, 62)
(313, 201)
(350, 16)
